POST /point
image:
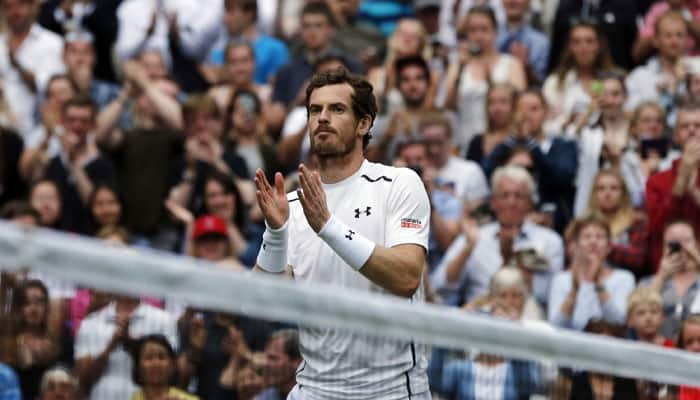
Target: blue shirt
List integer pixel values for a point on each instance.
(535, 41)
(270, 54)
(9, 385)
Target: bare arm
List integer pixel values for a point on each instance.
(397, 269)
(109, 116)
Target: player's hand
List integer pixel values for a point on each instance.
(313, 198)
(272, 201)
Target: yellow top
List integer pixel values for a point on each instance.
(174, 392)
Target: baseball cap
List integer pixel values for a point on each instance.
(209, 225)
(420, 4)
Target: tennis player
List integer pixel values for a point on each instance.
(353, 224)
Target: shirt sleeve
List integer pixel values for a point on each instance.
(554, 252)
(85, 343)
(408, 211)
(618, 286)
(561, 284)
(438, 280)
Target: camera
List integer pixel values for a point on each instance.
(674, 247)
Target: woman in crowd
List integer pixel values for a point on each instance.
(45, 197)
(37, 348)
(610, 200)
(653, 150)
(590, 288)
(155, 370)
(510, 287)
(569, 88)
(104, 207)
(479, 65)
(677, 279)
(500, 106)
(604, 144)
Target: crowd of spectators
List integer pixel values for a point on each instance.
(558, 141)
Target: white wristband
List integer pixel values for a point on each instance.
(352, 247)
(273, 252)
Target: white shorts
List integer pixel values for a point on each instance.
(297, 393)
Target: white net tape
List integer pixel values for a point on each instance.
(137, 272)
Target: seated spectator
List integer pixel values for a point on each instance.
(590, 289)
(20, 212)
(45, 198)
(555, 158)
(602, 144)
(245, 134)
(689, 340)
(675, 193)
(210, 241)
(464, 379)
(240, 23)
(645, 315)
(663, 76)
(477, 254)
(102, 358)
(509, 286)
(37, 347)
(688, 9)
(155, 369)
(143, 155)
(79, 166)
(585, 385)
(400, 122)
(518, 38)
(59, 384)
(104, 207)
(479, 65)
(9, 385)
(44, 142)
(500, 107)
(652, 146)
(678, 276)
(317, 28)
(353, 36)
(23, 42)
(408, 41)
(610, 201)
(568, 88)
(463, 178)
(237, 73)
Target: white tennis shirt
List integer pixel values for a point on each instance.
(388, 206)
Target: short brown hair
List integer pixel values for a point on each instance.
(589, 220)
(364, 104)
(81, 101)
(435, 118)
(200, 104)
(250, 6)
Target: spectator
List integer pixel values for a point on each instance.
(155, 369)
(689, 9)
(282, 360)
(9, 385)
(45, 198)
(610, 200)
(400, 123)
(102, 359)
(662, 77)
(245, 133)
(521, 40)
(79, 166)
(616, 19)
(20, 212)
(463, 178)
(689, 340)
(500, 107)
(645, 315)
(104, 207)
(678, 276)
(453, 11)
(11, 184)
(59, 384)
(237, 73)
(509, 286)
(211, 242)
(590, 289)
(653, 150)
(408, 41)
(568, 88)
(353, 36)
(143, 155)
(22, 43)
(80, 59)
(555, 159)
(317, 28)
(674, 193)
(37, 348)
(240, 23)
(473, 258)
(602, 144)
(479, 64)
(464, 379)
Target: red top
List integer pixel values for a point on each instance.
(662, 207)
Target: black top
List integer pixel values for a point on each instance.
(11, 185)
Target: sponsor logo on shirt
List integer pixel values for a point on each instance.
(411, 223)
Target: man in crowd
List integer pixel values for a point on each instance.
(282, 358)
(59, 384)
(473, 258)
(675, 193)
(521, 40)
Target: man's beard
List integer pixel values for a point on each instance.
(327, 151)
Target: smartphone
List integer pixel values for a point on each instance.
(674, 247)
(659, 145)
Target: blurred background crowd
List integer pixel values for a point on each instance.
(559, 143)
